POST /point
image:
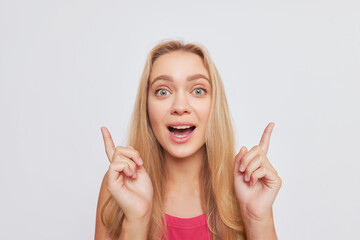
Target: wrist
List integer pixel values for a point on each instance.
(136, 228)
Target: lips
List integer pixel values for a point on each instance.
(174, 124)
(181, 132)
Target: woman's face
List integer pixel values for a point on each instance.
(179, 97)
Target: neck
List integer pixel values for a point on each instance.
(184, 172)
(182, 196)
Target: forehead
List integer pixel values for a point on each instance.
(178, 64)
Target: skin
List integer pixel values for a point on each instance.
(130, 185)
(180, 100)
(256, 181)
(256, 186)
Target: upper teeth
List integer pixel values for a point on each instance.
(181, 127)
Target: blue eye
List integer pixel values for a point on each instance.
(161, 91)
(164, 92)
(199, 91)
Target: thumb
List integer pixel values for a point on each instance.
(238, 158)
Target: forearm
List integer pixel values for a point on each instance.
(260, 229)
(135, 229)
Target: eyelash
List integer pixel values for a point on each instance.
(156, 92)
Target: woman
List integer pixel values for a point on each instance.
(179, 176)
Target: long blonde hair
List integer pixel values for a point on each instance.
(218, 198)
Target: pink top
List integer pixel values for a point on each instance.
(187, 228)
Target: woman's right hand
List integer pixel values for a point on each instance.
(128, 181)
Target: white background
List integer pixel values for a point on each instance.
(69, 67)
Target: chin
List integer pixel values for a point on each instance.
(182, 151)
(180, 154)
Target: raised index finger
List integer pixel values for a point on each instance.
(108, 142)
(265, 139)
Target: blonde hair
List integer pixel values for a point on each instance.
(218, 198)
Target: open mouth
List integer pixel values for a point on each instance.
(181, 132)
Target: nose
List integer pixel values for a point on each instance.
(180, 104)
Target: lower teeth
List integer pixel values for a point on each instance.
(179, 136)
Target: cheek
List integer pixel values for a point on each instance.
(156, 113)
(203, 110)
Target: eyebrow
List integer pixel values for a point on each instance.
(189, 78)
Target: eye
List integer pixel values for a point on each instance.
(161, 92)
(199, 91)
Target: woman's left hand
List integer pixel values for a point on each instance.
(256, 181)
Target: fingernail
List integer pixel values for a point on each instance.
(242, 149)
(246, 178)
(141, 161)
(134, 174)
(241, 168)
